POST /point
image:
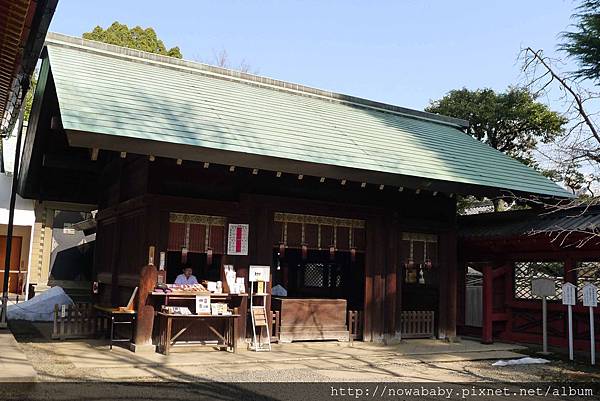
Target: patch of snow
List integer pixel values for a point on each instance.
(523, 361)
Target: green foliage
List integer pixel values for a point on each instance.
(134, 38)
(583, 44)
(29, 96)
(512, 122)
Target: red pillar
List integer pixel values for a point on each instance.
(486, 330)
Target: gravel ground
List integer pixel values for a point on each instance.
(60, 379)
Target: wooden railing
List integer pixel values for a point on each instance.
(417, 324)
(354, 322)
(76, 321)
(276, 320)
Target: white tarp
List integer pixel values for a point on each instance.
(39, 308)
(523, 361)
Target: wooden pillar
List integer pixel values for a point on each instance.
(486, 329)
(369, 271)
(392, 298)
(378, 280)
(448, 288)
(114, 263)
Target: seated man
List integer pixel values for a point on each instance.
(186, 277)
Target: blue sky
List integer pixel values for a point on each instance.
(401, 52)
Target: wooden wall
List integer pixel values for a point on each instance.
(136, 197)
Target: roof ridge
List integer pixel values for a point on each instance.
(234, 75)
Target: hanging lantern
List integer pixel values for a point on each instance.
(353, 254)
(428, 264)
(332, 252)
(209, 256)
(304, 251)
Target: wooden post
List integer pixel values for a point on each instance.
(145, 309)
(392, 330)
(486, 330)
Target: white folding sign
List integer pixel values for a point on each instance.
(259, 273)
(569, 294)
(590, 295)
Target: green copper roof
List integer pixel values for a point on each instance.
(118, 92)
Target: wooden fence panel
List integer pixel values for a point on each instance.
(474, 306)
(75, 321)
(417, 324)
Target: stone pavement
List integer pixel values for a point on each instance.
(14, 365)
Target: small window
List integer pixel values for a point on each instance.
(313, 275)
(525, 272)
(587, 272)
(321, 275)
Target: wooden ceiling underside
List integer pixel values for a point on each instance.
(15, 22)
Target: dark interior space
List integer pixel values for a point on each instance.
(319, 274)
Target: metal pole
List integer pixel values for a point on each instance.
(592, 339)
(570, 310)
(545, 325)
(11, 213)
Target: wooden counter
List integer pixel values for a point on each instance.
(199, 332)
(311, 319)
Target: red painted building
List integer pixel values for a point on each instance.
(500, 253)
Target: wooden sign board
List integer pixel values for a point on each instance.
(543, 287)
(237, 239)
(259, 273)
(569, 294)
(590, 295)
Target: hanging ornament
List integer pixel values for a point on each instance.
(209, 256)
(281, 250)
(304, 251)
(353, 254)
(421, 276)
(184, 254)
